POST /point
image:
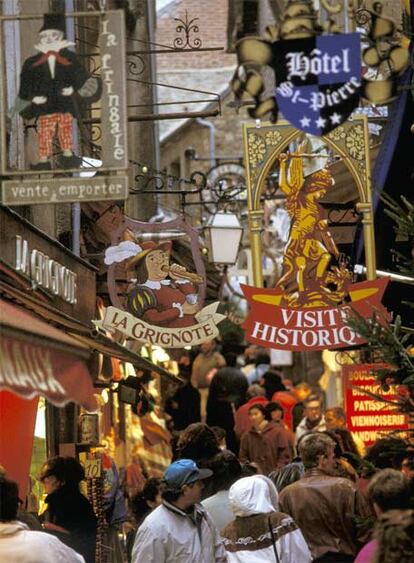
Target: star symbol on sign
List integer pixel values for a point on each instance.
(336, 118)
(305, 121)
(320, 122)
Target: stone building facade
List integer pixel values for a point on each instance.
(210, 71)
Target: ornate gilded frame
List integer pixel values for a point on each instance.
(262, 145)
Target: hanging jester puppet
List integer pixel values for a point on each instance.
(50, 82)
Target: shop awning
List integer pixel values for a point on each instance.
(39, 359)
(80, 333)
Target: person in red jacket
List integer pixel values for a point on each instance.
(242, 423)
(292, 403)
(265, 445)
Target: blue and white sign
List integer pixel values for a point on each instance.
(318, 80)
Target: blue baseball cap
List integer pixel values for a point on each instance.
(183, 472)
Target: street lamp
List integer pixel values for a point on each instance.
(223, 234)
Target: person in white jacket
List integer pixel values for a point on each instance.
(180, 530)
(260, 533)
(18, 544)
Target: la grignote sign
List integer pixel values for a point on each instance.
(367, 417)
(274, 325)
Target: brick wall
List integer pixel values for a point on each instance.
(212, 24)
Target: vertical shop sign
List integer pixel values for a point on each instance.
(114, 108)
(368, 418)
(60, 86)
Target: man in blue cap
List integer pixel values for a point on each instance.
(180, 530)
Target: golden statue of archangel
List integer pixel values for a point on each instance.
(308, 280)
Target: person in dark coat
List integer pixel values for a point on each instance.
(184, 405)
(271, 381)
(226, 394)
(48, 82)
(265, 445)
(69, 514)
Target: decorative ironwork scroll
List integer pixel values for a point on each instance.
(188, 27)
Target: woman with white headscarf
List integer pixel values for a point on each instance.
(260, 533)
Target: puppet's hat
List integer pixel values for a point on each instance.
(148, 247)
(54, 21)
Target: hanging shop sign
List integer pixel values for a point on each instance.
(318, 72)
(60, 85)
(367, 417)
(319, 80)
(52, 269)
(154, 299)
(308, 308)
(274, 325)
(114, 108)
(63, 190)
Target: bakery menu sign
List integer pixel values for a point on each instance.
(367, 417)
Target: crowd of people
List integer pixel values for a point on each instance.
(260, 471)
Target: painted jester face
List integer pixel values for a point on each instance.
(158, 264)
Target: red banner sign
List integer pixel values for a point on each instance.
(273, 325)
(367, 417)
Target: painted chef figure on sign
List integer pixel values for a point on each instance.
(163, 294)
(48, 83)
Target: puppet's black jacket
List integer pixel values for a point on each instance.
(36, 80)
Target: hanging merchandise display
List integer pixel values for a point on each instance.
(309, 307)
(154, 298)
(318, 73)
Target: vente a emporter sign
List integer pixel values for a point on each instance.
(64, 190)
